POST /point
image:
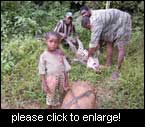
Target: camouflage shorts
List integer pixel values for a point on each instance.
(55, 97)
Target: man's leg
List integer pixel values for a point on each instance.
(121, 54)
(101, 45)
(109, 54)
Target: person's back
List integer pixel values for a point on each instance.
(107, 16)
(112, 23)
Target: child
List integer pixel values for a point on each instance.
(53, 68)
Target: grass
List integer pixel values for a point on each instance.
(21, 88)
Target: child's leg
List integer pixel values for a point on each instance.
(49, 103)
(57, 106)
(49, 107)
(63, 85)
(51, 81)
(66, 83)
(54, 98)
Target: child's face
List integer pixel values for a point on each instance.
(52, 43)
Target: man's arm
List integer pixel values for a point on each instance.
(58, 29)
(91, 52)
(95, 37)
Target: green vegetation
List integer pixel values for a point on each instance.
(24, 21)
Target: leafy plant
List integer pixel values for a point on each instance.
(23, 21)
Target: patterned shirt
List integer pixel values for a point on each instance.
(62, 27)
(110, 25)
(53, 63)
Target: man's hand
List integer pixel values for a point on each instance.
(64, 36)
(91, 52)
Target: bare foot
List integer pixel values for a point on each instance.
(115, 75)
(57, 107)
(49, 107)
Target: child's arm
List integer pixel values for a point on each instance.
(42, 72)
(44, 83)
(67, 68)
(66, 64)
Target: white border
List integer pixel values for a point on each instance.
(147, 95)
